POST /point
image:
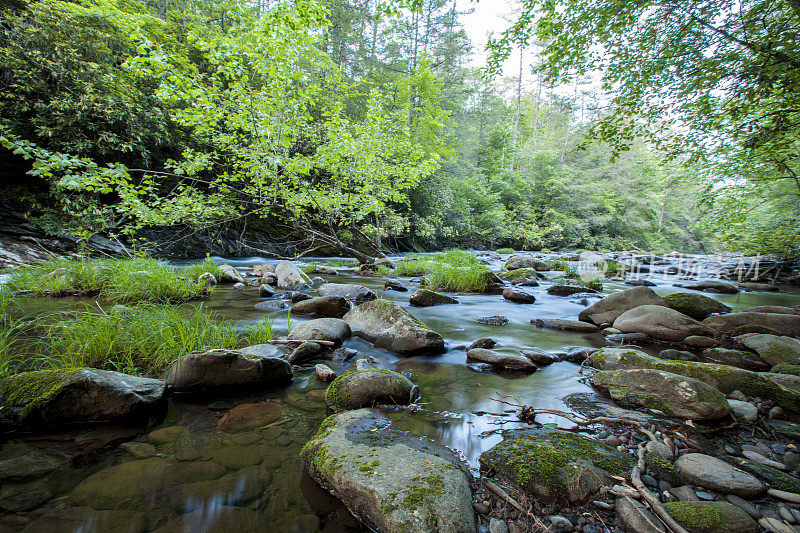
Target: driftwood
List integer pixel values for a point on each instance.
(657, 506)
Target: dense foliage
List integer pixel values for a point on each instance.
(358, 124)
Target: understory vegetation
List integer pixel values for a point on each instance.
(451, 270)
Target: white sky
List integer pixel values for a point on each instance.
(489, 17)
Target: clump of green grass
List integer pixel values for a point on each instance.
(261, 332)
(341, 263)
(559, 264)
(441, 276)
(118, 280)
(141, 339)
(505, 250)
(194, 271)
(310, 268)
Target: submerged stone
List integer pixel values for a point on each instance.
(390, 480)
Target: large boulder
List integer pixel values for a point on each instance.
(228, 274)
(334, 330)
(349, 291)
(390, 480)
(661, 323)
(697, 306)
(672, 394)
(555, 466)
(711, 517)
(428, 298)
(525, 261)
(501, 360)
(719, 287)
(366, 388)
(290, 276)
(225, 369)
(773, 349)
(715, 474)
(609, 308)
(323, 306)
(387, 325)
(78, 395)
(725, 378)
(785, 324)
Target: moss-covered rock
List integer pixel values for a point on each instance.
(694, 305)
(223, 369)
(725, 378)
(783, 323)
(517, 261)
(774, 349)
(366, 388)
(556, 466)
(783, 368)
(737, 358)
(774, 477)
(387, 325)
(663, 469)
(518, 273)
(711, 517)
(390, 480)
(77, 395)
(744, 329)
(672, 394)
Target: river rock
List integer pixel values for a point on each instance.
(250, 415)
(369, 387)
(744, 411)
(715, 474)
(519, 296)
(773, 349)
(322, 306)
(568, 325)
(334, 330)
(324, 372)
(387, 325)
(609, 308)
(738, 358)
(78, 395)
(677, 355)
(555, 466)
(630, 338)
(390, 480)
(785, 324)
(208, 278)
(719, 287)
(779, 309)
(711, 517)
(262, 270)
(525, 261)
(660, 322)
(725, 378)
(699, 341)
(228, 274)
(222, 369)
(672, 394)
(428, 298)
(305, 352)
(349, 291)
(35, 463)
(265, 291)
(484, 342)
(270, 305)
(635, 518)
(501, 360)
(562, 289)
(290, 276)
(760, 287)
(695, 305)
(394, 285)
(262, 350)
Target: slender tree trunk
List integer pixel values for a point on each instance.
(519, 104)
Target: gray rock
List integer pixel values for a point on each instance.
(270, 305)
(334, 330)
(391, 480)
(567, 325)
(324, 373)
(349, 291)
(661, 323)
(15, 498)
(519, 296)
(660, 449)
(677, 355)
(501, 360)
(744, 411)
(776, 526)
(562, 289)
(387, 325)
(719, 287)
(221, 369)
(80, 395)
(485, 342)
(497, 526)
(698, 341)
(780, 309)
(744, 505)
(265, 291)
(262, 270)
(33, 464)
(207, 277)
(290, 276)
(262, 350)
(517, 261)
(305, 352)
(322, 306)
(737, 358)
(228, 274)
(369, 387)
(684, 493)
(672, 394)
(715, 474)
(609, 308)
(427, 298)
(760, 287)
(635, 518)
(772, 348)
(630, 338)
(394, 285)
(785, 324)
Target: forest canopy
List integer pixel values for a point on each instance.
(361, 124)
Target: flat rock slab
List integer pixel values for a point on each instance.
(660, 323)
(564, 324)
(715, 474)
(387, 325)
(58, 397)
(609, 308)
(672, 394)
(390, 480)
(556, 466)
(501, 360)
(369, 387)
(221, 369)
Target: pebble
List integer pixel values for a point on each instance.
(649, 481)
(744, 505)
(660, 449)
(602, 505)
(703, 495)
(783, 495)
(785, 513)
(776, 413)
(481, 508)
(684, 494)
(775, 525)
(625, 490)
(560, 523)
(758, 458)
(497, 526)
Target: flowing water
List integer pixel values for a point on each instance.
(186, 475)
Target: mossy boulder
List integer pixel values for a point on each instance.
(609, 308)
(369, 387)
(660, 322)
(672, 394)
(390, 480)
(695, 305)
(725, 378)
(737, 358)
(77, 395)
(773, 349)
(555, 466)
(387, 325)
(784, 324)
(214, 370)
(711, 517)
(783, 368)
(776, 479)
(518, 273)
